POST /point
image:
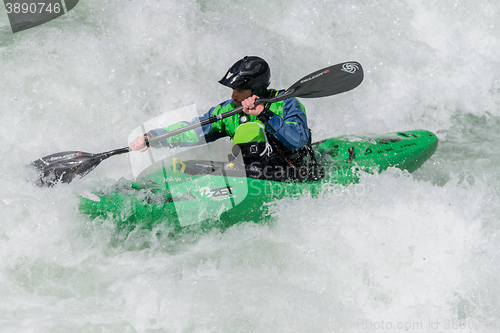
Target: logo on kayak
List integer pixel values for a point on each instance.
(217, 193)
(350, 67)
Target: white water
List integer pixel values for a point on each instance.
(399, 252)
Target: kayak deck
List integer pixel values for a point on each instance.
(207, 194)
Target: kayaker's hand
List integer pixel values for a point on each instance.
(250, 108)
(139, 144)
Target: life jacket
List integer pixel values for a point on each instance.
(266, 157)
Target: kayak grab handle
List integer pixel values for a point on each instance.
(406, 135)
(352, 155)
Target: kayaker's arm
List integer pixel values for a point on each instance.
(186, 139)
(286, 120)
(291, 128)
(196, 136)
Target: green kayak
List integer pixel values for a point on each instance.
(195, 193)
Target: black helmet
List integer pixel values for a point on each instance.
(248, 73)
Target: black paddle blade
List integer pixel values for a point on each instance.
(329, 81)
(64, 167)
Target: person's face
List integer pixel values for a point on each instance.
(239, 95)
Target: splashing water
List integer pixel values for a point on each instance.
(397, 252)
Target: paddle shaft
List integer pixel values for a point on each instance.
(328, 81)
(102, 156)
(211, 120)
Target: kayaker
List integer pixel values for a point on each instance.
(273, 139)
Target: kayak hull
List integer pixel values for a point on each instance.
(205, 195)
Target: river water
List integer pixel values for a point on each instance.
(398, 252)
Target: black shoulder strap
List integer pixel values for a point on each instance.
(272, 93)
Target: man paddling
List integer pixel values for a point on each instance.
(273, 139)
(329, 81)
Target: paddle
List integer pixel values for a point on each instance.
(328, 81)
